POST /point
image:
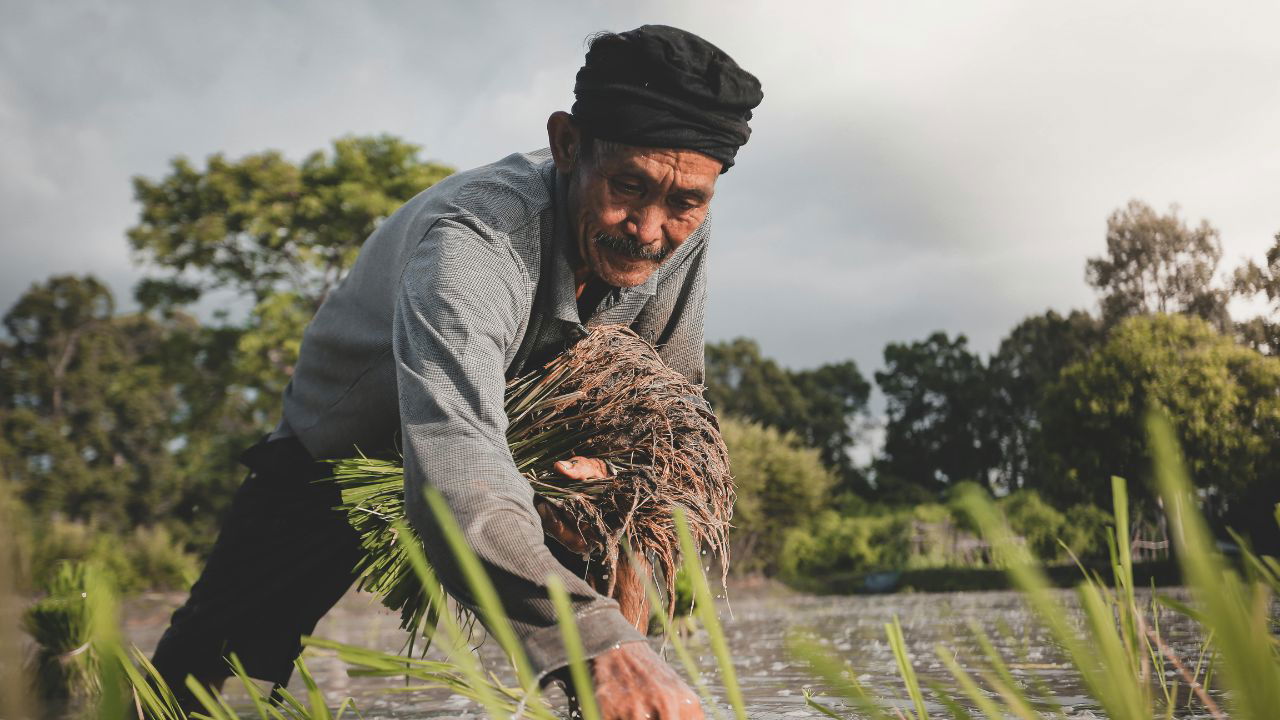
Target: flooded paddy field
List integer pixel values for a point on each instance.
(757, 628)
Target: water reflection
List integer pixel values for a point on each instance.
(772, 682)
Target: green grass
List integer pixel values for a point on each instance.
(1113, 641)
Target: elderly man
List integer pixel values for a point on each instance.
(480, 278)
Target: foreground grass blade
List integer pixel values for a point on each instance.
(705, 609)
(467, 662)
(1247, 660)
(899, 645)
(114, 703)
(677, 644)
(1113, 687)
(980, 699)
(583, 687)
(839, 676)
(496, 620)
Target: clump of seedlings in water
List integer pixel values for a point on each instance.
(610, 397)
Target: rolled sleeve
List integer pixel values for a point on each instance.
(458, 312)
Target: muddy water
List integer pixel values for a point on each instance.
(772, 681)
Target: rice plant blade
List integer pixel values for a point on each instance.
(997, 663)
(898, 644)
(260, 700)
(840, 677)
(811, 702)
(673, 637)
(467, 661)
(583, 688)
(106, 643)
(1111, 686)
(1248, 660)
(482, 589)
(705, 608)
(968, 685)
(958, 712)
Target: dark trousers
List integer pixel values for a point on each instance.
(284, 556)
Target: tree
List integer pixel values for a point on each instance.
(1158, 264)
(262, 225)
(86, 407)
(781, 484)
(280, 234)
(1021, 371)
(1262, 333)
(1224, 400)
(823, 407)
(938, 430)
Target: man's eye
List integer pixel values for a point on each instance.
(627, 188)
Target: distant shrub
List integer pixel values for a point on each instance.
(781, 485)
(1082, 527)
(833, 543)
(1085, 530)
(1036, 521)
(146, 559)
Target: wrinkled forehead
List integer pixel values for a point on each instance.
(682, 168)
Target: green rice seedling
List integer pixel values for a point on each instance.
(839, 676)
(1235, 611)
(704, 608)
(482, 589)
(583, 688)
(489, 694)
(1117, 647)
(66, 663)
(1101, 656)
(672, 636)
(899, 646)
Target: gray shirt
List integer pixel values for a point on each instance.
(459, 290)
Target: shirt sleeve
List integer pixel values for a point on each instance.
(461, 295)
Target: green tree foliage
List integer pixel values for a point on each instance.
(262, 225)
(1223, 398)
(278, 233)
(824, 407)
(1020, 372)
(1082, 528)
(781, 484)
(833, 543)
(87, 406)
(117, 421)
(1263, 332)
(939, 428)
(1158, 264)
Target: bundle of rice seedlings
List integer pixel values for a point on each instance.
(65, 663)
(611, 397)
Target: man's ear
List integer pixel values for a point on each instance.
(565, 141)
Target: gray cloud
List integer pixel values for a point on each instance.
(937, 166)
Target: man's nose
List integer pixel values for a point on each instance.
(645, 225)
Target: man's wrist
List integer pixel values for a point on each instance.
(601, 628)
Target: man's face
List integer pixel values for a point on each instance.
(632, 207)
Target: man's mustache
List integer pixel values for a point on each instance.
(629, 247)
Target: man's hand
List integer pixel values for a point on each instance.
(567, 533)
(628, 585)
(633, 683)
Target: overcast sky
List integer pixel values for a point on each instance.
(914, 166)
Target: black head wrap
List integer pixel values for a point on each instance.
(659, 86)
